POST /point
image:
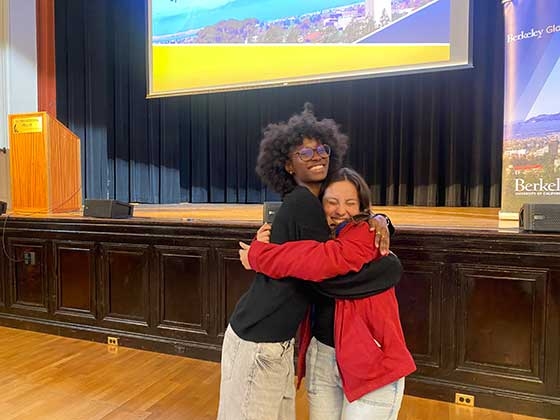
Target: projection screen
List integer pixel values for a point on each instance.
(200, 46)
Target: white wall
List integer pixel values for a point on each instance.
(4, 34)
(18, 71)
(4, 177)
(22, 57)
(4, 168)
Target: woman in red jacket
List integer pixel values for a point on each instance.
(364, 378)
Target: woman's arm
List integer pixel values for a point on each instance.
(315, 261)
(384, 229)
(374, 277)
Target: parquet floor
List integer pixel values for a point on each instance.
(50, 377)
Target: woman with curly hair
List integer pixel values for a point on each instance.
(257, 355)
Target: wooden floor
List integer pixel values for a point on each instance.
(49, 377)
(401, 216)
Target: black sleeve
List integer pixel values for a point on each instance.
(374, 277)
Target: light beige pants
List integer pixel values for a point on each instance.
(257, 380)
(326, 397)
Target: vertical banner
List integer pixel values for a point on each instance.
(531, 159)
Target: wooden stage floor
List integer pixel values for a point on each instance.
(248, 214)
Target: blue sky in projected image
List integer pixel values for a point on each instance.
(172, 16)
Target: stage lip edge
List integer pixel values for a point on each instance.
(508, 215)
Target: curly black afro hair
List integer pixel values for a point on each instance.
(280, 139)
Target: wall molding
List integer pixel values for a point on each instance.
(46, 70)
(4, 100)
(4, 72)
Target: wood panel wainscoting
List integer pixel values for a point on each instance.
(480, 306)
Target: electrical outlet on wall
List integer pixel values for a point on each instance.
(464, 399)
(29, 258)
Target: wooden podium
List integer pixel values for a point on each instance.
(44, 165)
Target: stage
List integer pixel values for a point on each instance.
(478, 298)
(251, 214)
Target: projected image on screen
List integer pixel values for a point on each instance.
(215, 45)
(279, 22)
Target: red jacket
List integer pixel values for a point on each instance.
(370, 347)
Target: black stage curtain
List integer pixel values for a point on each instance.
(432, 139)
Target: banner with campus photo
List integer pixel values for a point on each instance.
(531, 159)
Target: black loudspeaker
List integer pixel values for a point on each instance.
(540, 217)
(3, 207)
(269, 210)
(109, 209)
